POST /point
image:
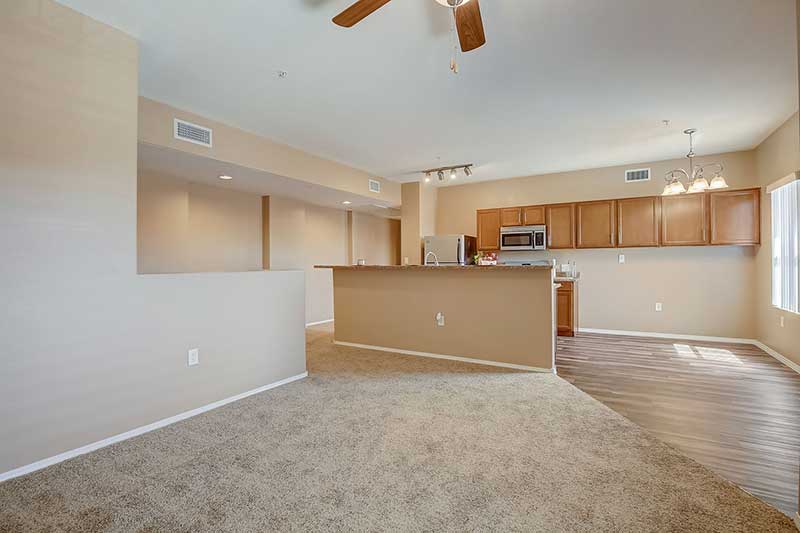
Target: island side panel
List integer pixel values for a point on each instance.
(504, 316)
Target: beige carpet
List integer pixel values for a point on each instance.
(381, 442)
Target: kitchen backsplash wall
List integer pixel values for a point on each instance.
(693, 284)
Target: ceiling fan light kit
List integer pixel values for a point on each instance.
(695, 177)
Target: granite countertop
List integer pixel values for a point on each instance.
(432, 267)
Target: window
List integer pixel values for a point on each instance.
(785, 240)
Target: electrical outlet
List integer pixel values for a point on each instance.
(194, 357)
(440, 319)
(405, 260)
(621, 259)
(659, 307)
(782, 321)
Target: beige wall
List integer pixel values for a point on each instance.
(88, 348)
(376, 240)
(623, 297)
(303, 235)
(778, 156)
(252, 151)
(429, 200)
(396, 308)
(191, 227)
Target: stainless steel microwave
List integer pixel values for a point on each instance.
(520, 238)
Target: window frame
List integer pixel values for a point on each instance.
(782, 227)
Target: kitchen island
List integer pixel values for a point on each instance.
(494, 315)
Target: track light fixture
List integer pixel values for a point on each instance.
(451, 170)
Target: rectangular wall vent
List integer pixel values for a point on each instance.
(186, 131)
(636, 175)
(374, 186)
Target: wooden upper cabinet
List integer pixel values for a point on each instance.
(560, 226)
(684, 220)
(533, 215)
(511, 216)
(735, 217)
(488, 230)
(597, 224)
(638, 221)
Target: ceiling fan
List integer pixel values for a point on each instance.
(467, 18)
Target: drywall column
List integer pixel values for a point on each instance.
(265, 232)
(411, 224)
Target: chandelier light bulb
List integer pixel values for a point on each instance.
(678, 187)
(718, 183)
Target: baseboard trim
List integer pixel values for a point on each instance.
(782, 358)
(703, 338)
(448, 357)
(676, 336)
(320, 322)
(38, 465)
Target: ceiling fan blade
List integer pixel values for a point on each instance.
(353, 14)
(470, 26)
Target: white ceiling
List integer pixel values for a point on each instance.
(198, 169)
(560, 85)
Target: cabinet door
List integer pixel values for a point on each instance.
(533, 216)
(488, 230)
(637, 222)
(736, 217)
(684, 220)
(561, 226)
(564, 310)
(597, 224)
(511, 216)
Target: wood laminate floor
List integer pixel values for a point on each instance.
(731, 407)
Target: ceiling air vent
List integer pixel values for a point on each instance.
(375, 186)
(186, 131)
(636, 175)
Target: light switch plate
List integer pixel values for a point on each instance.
(440, 319)
(782, 323)
(659, 307)
(621, 259)
(194, 357)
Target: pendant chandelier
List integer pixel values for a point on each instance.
(695, 177)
